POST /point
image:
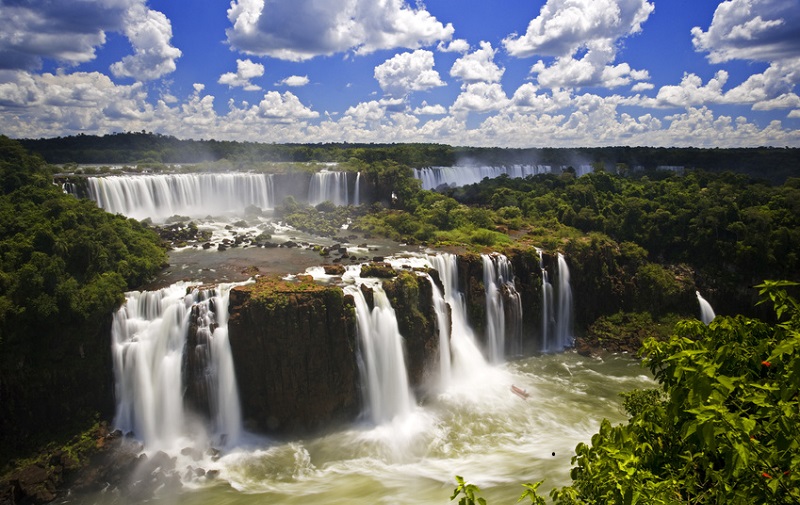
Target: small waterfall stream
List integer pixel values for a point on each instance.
(706, 311)
(564, 331)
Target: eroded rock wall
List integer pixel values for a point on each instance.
(294, 346)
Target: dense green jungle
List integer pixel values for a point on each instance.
(721, 428)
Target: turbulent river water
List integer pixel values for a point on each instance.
(473, 426)
(477, 428)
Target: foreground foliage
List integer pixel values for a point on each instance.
(64, 267)
(723, 427)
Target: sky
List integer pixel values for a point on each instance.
(508, 73)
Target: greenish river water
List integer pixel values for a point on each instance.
(477, 429)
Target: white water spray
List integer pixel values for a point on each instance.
(149, 336)
(384, 374)
(564, 332)
(547, 315)
(467, 360)
(504, 320)
(164, 195)
(706, 311)
(328, 186)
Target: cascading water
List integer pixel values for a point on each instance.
(357, 191)
(706, 311)
(548, 316)
(149, 348)
(433, 177)
(443, 321)
(467, 359)
(564, 332)
(164, 195)
(384, 376)
(328, 186)
(504, 321)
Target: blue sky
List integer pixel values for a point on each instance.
(517, 73)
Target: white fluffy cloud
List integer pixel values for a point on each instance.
(455, 46)
(566, 27)
(70, 33)
(407, 72)
(294, 81)
(150, 34)
(245, 71)
(62, 104)
(430, 110)
(478, 66)
(757, 30)
(304, 29)
(760, 30)
(480, 97)
(284, 107)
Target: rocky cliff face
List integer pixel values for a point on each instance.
(411, 297)
(295, 352)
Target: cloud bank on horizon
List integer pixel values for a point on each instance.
(511, 73)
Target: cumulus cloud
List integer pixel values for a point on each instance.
(564, 28)
(478, 66)
(407, 72)
(284, 107)
(245, 70)
(692, 92)
(430, 110)
(70, 33)
(294, 81)
(61, 104)
(303, 29)
(150, 34)
(65, 31)
(480, 97)
(455, 46)
(757, 30)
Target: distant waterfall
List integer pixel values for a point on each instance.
(706, 311)
(384, 374)
(564, 332)
(498, 278)
(328, 186)
(161, 196)
(149, 348)
(433, 177)
(467, 359)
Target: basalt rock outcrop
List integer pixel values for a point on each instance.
(294, 345)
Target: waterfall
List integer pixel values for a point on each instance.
(433, 177)
(443, 321)
(467, 359)
(357, 191)
(495, 319)
(564, 332)
(498, 281)
(548, 316)
(384, 374)
(161, 196)
(328, 186)
(149, 348)
(706, 311)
